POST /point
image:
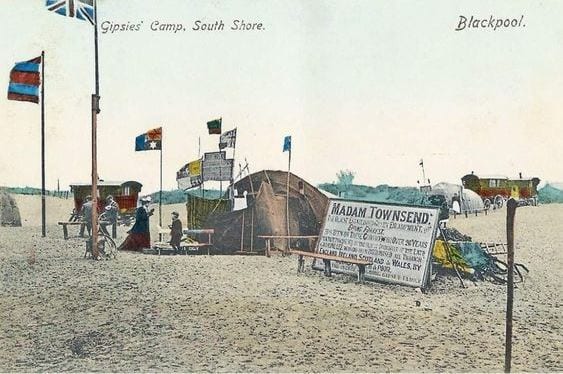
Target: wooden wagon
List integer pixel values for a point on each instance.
(496, 189)
(126, 195)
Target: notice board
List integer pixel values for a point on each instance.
(397, 239)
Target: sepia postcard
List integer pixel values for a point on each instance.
(281, 186)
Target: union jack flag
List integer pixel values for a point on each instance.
(81, 9)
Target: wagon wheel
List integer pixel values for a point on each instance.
(110, 249)
(499, 201)
(487, 204)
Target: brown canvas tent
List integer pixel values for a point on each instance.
(265, 213)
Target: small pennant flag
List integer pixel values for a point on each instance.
(421, 163)
(80, 9)
(228, 139)
(214, 126)
(287, 143)
(149, 141)
(25, 80)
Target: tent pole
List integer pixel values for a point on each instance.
(242, 233)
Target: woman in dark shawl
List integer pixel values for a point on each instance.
(139, 236)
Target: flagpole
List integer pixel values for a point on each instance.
(43, 229)
(95, 111)
(233, 171)
(287, 199)
(160, 194)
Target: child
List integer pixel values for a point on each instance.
(175, 232)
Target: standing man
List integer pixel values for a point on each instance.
(111, 215)
(86, 216)
(175, 232)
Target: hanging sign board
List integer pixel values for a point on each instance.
(397, 239)
(216, 167)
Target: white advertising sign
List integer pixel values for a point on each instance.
(397, 239)
(216, 167)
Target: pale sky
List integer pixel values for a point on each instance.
(370, 86)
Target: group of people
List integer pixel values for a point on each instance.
(110, 214)
(139, 236)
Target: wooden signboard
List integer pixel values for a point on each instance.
(398, 239)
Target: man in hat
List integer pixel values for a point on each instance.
(139, 236)
(111, 212)
(86, 215)
(175, 232)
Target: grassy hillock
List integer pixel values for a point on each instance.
(179, 196)
(381, 193)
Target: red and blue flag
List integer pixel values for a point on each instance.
(149, 141)
(25, 80)
(81, 9)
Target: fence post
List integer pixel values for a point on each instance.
(510, 213)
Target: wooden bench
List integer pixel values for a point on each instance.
(65, 228)
(327, 260)
(208, 232)
(268, 239)
(186, 246)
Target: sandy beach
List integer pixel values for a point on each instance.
(61, 312)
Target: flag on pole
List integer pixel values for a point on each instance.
(25, 80)
(149, 141)
(214, 126)
(228, 139)
(189, 175)
(287, 143)
(421, 163)
(80, 9)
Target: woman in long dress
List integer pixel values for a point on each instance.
(139, 236)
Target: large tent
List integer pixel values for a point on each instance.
(469, 201)
(265, 212)
(551, 193)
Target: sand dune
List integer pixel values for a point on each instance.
(60, 312)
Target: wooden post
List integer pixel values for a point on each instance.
(160, 192)
(510, 213)
(95, 111)
(43, 215)
(287, 200)
(94, 225)
(242, 233)
(252, 229)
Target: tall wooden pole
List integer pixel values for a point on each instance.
(510, 213)
(160, 195)
(95, 111)
(232, 181)
(43, 214)
(287, 199)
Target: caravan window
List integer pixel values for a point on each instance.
(494, 183)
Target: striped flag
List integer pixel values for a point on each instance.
(25, 80)
(80, 9)
(214, 127)
(149, 141)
